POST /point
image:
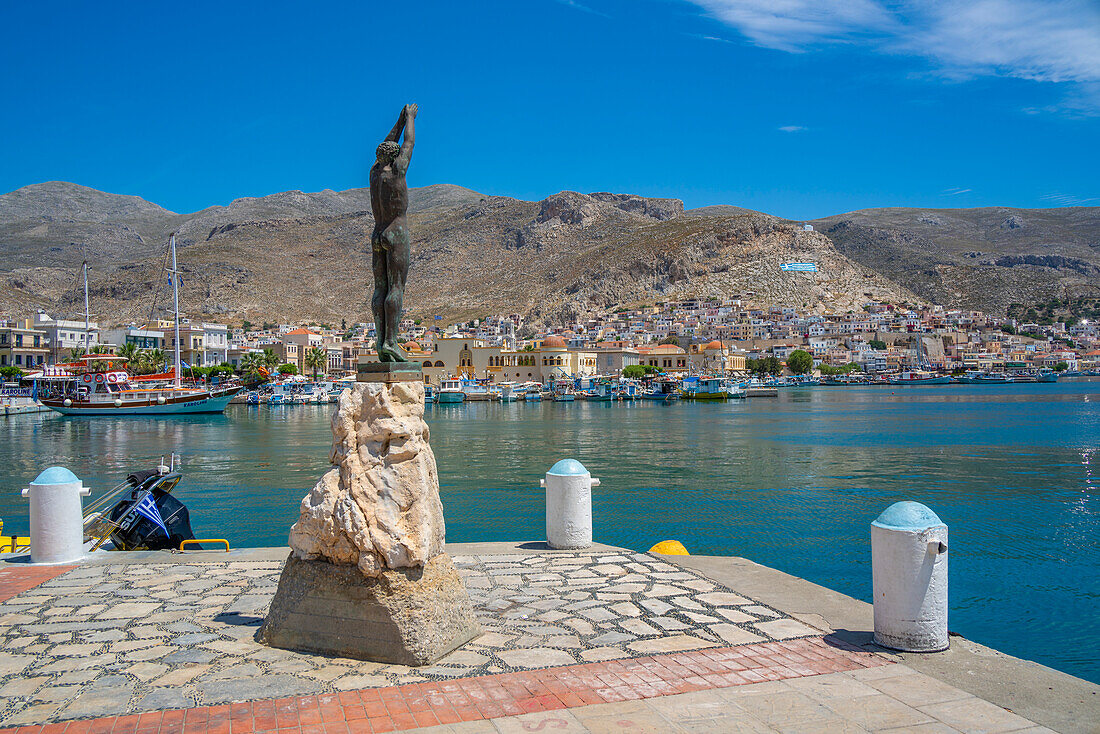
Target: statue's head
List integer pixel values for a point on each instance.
(387, 151)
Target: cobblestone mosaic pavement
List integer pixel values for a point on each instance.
(109, 640)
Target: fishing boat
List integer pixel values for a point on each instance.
(564, 397)
(450, 391)
(919, 377)
(991, 378)
(736, 390)
(476, 391)
(508, 392)
(602, 392)
(429, 393)
(663, 390)
(706, 388)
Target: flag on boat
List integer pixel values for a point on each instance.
(799, 267)
(147, 508)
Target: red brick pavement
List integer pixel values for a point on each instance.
(17, 578)
(491, 696)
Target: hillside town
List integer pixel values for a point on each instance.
(677, 338)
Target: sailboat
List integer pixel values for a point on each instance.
(920, 376)
(99, 384)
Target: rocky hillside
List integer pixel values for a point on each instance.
(977, 258)
(300, 255)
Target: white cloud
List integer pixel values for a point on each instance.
(1060, 199)
(792, 128)
(1039, 40)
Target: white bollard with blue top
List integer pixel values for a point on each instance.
(57, 517)
(569, 505)
(909, 578)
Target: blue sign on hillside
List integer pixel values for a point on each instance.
(799, 267)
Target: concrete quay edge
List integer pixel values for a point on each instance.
(1044, 695)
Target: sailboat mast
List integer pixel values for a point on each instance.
(87, 315)
(176, 311)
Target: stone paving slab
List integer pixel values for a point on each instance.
(108, 639)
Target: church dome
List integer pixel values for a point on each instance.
(553, 342)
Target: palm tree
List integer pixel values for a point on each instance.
(316, 360)
(130, 351)
(76, 353)
(156, 358)
(270, 360)
(250, 364)
(100, 349)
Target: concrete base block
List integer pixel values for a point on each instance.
(409, 617)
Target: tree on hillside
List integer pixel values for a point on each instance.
(877, 344)
(800, 362)
(316, 360)
(1061, 367)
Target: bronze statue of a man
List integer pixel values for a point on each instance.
(389, 199)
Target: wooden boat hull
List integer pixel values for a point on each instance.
(214, 403)
(929, 381)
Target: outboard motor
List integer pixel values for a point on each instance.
(148, 517)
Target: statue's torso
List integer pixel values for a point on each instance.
(389, 195)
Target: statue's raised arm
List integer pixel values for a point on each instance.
(395, 133)
(409, 115)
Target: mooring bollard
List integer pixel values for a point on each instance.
(569, 505)
(909, 578)
(57, 518)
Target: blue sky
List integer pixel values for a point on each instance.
(800, 108)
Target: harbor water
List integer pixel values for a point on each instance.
(791, 482)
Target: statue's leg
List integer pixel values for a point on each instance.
(396, 238)
(378, 301)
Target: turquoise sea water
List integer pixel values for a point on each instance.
(792, 483)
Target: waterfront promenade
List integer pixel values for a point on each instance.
(600, 640)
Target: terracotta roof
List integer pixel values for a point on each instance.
(302, 331)
(553, 342)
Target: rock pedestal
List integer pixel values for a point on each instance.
(368, 577)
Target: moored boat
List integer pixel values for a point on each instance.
(919, 377)
(92, 389)
(450, 391)
(706, 388)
